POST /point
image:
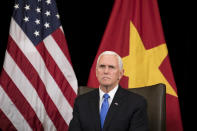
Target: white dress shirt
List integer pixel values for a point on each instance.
(110, 93)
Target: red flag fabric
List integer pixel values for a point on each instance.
(135, 32)
(37, 83)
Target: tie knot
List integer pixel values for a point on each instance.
(106, 96)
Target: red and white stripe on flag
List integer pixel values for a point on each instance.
(37, 83)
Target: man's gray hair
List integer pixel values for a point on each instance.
(111, 53)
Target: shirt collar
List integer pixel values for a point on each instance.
(110, 93)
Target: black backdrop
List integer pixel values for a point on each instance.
(84, 23)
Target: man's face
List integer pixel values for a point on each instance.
(107, 71)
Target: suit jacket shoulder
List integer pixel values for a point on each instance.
(94, 94)
(130, 96)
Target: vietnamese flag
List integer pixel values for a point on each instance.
(135, 32)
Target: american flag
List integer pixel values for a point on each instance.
(37, 83)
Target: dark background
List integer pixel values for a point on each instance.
(84, 24)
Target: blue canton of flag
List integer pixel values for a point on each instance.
(36, 22)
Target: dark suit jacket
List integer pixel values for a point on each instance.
(127, 112)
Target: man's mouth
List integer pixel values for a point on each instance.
(106, 78)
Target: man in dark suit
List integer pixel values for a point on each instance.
(110, 107)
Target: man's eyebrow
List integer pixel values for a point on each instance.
(102, 65)
(111, 66)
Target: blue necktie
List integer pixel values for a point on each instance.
(104, 109)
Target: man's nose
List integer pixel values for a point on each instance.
(106, 70)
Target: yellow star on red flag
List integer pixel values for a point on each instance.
(142, 66)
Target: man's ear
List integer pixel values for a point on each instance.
(96, 71)
(121, 74)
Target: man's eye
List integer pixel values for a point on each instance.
(102, 66)
(111, 67)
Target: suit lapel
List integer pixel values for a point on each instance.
(114, 107)
(94, 105)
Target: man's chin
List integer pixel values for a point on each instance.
(106, 85)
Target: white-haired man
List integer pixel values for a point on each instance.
(110, 107)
